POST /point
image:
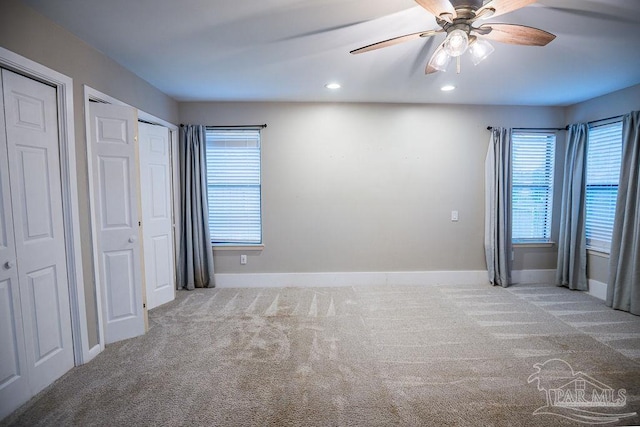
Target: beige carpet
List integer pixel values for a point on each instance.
(362, 356)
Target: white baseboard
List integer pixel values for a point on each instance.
(277, 280)
(597, 289)
(533, 276)
(415, 278)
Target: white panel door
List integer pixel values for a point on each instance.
(31, 129)
(14, 383)
(116, 199)
(157, 227)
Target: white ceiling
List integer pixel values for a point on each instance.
(286, 50)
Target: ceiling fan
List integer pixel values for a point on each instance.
(457, 18)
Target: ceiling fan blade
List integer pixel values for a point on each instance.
(503, 6)
(515, 34)
(442, 9)
(394, 41)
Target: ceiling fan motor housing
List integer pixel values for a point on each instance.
(469, 4)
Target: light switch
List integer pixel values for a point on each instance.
(454, 215)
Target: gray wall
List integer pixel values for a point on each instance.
(370, 187)
(613, 104)
(27, 33)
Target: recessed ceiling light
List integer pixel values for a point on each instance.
(447, 88)
(333, 86)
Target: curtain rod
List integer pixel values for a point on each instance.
(565, 128)
(234, 126)
(604, 120)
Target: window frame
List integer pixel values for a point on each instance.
(596, 244)
(549, 138)
(240, 243)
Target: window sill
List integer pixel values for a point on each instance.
(534, 245)
(232, 247)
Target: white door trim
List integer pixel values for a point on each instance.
(91, 94)
(66, 141)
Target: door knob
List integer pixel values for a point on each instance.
(132, 239)
(9, 265)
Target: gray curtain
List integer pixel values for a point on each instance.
(195, 260)
(572, 243)
(497, 231)
(623, 292)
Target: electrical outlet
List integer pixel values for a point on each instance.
(243, 259)
(454, 215)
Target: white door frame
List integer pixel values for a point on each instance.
(68, 176)
(93, 95)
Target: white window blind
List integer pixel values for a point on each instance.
(604, 155)
(233, 186)
(533, 158)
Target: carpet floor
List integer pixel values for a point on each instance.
(443, 355)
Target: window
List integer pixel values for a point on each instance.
(532, 186)
(604, 155)
(233, 186)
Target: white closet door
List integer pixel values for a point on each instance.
(36, 198)
(157, 227)
(14, 384)
(116, 198)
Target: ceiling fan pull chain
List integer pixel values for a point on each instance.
(458, 64)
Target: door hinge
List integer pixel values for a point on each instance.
(144, 305)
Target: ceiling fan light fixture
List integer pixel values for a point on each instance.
(440, 59)
(456, 42)
(480, 50)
